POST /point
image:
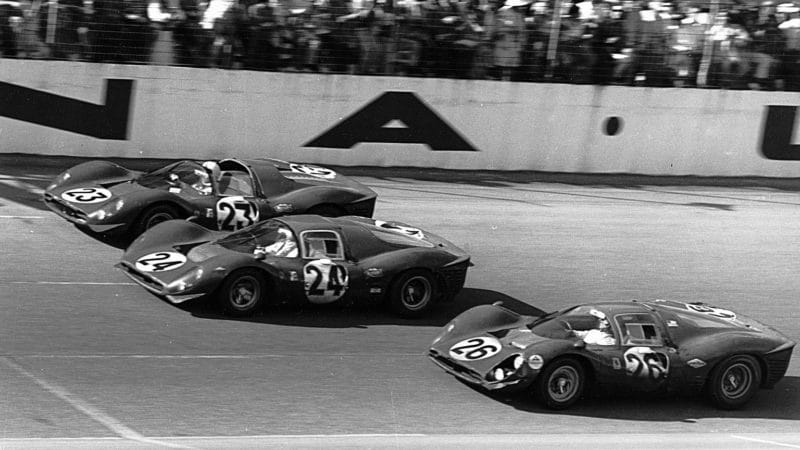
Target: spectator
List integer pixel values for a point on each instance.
(62, 27)
(10, 27)
(507, 32)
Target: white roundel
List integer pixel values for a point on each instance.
(325, 281)
(314, 171)
(645, 362)
(712, 311)
(160, 261)
(476, 348)
(235, 212)
(86, 195)
(408, 231)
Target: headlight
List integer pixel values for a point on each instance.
(518, 361)
(59, 180)
(107, 211)
(499, 374)
(535, 362)
(186, 281)
(447, 329)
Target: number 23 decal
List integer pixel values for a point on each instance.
(235, 212)
(86, 195)
(325, 281)
(475, 348)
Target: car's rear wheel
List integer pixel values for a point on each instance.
(243, 292)
(153, 216)
(412, 293)
(561, 383)
(734, 381)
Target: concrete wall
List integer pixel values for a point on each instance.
(203, 113)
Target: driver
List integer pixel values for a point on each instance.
(284, 245)
(205, 184)
(601, 334)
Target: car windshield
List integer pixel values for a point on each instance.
(270, 238)
(573, 323)
(185, 176)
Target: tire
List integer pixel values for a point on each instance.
(734, 381)
(153, 216)
(561, 383)
(327, 210)
(242, 293)
(412, 293)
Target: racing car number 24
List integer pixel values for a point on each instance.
(325, 281)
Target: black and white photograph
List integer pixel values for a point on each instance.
(399, 224)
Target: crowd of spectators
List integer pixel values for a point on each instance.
(716, 43)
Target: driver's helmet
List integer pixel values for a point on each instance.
(212, 168)
(602, 322)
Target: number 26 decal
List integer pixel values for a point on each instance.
(644, 362)
(475, 348)
(235, 212)
(86, 195)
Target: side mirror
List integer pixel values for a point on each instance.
(260, 256)
(580, 344)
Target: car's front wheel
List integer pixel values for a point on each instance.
(243, 292)
(734, 381)
(153, 216)
(561, 383)
(412, 293)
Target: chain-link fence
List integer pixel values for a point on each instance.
(712, 43)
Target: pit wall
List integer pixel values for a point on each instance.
(388, 121)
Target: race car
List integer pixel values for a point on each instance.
(298, 259)
(653, 346)
(225, 195)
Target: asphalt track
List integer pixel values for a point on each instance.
(89, 360)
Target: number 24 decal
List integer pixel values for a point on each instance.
(160, 261)
(325, 281)
(476, 348)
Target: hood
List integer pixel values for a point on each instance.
(311, 175)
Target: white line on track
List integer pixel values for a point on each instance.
(76, 283)
(23, 186)
(21, 217)
(245, 356)
(112, 424)
(765, 441)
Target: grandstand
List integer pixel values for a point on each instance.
(708, 44)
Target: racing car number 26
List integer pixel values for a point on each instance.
(475, 348)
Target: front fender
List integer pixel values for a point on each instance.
(168, 234)
(95, 172)
(484, 318)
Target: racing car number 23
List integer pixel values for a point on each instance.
(86, 195)
(325, 281)
(235, 212)
(475, 348)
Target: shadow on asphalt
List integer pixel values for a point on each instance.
(362, 316)
(777, 403)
